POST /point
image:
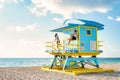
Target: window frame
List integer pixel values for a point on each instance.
(90, 32)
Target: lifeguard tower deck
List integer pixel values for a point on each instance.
(71, 58)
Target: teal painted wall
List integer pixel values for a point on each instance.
(85, 40)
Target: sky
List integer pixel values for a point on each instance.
(25, 24)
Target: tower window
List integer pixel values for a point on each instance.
(88, 32)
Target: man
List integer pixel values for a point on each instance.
(73, 36)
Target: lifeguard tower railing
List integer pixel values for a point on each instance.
(64, 47)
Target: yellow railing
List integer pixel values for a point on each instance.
(52, 45)
(63, 46)
(99, 44)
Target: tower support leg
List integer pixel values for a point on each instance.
(54, 60)
(96, 61)
(66, 63)
(81, 62)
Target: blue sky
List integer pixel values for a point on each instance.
(25, 24)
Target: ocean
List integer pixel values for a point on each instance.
(18, 62)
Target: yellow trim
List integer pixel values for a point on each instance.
(99, 45)
(72, 63)
(78, 39)
(96, 39)
(49, 42)
(63, 40)
(67, 29)
(70, 28)
(72, 45)
(88, 27)
(100, 41)
(76, 71)
(77, 54)
(49, 46)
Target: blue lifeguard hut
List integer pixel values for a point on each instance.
(71, 58)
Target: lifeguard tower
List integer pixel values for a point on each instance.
(71, 58)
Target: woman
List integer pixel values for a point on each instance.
(57, 39)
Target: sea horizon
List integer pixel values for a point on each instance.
(21, 62)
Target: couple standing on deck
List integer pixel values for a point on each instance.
(72, 37)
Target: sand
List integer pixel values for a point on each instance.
(36, 73)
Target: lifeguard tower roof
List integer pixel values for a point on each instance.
(85, 23)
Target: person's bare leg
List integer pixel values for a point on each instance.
(71, 35)
(57, 44)
(69, 41)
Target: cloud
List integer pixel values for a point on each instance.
(68, 7)
(110, 17)
(18, 1)
(114, 18)
(118, 18)
(1, 6)
(31, 27)
(60, 20)
(2, 2)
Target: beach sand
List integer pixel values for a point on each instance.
(36, 73)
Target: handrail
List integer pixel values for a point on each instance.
(100, 41)
(99, 45)
(58, 47)
(72, 44)
(50, 42)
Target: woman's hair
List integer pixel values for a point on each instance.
(55, 34)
